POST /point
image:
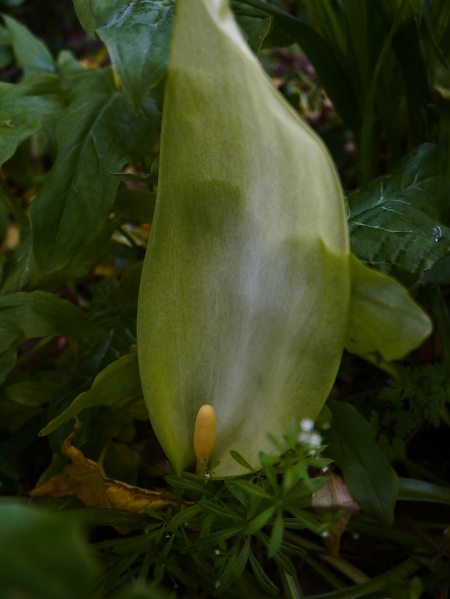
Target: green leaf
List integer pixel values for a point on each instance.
(245, 288)
(42, 555)
(137, 36)
(370, 478)
(260, 520)
(383, 317)
(22, 273)
(114, 309)
(39, 314)
(277, 535)
(97, 135)
(30, 52)
(419, 490)
(217, 510)
(253, 24)
(120, 380)
(240, 460)
(262, 578)
(25, 107)
(396, 221)
(33, 393)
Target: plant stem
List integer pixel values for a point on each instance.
(11, 203)
(376, 584)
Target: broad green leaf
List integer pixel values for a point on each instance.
(98, 134)
(370, 478)
(245, 289)
(38, 314)
(24, 108)
(396, 221)
(42, 554)
(137, 36)
(114, 309)
(117, 381)
(31, 53)
(383, 317)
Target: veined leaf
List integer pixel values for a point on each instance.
(137, 36)
(245, 290)
(24, 108)
(396, 221)
(369, 477)
(117, 381)
(39, 314)
(383, 317)
(97, 135)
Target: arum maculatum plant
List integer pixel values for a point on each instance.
(249, 292)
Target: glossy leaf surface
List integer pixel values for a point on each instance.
(396, 222)
(245, 289)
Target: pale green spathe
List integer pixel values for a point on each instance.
(245, 290)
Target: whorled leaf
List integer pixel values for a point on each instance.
(98, 133)
(245, 290)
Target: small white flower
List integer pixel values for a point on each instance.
(325, 469)
(325, 534)
(307, 425)
(304, 438)
(217, 585)
(216, 552)
(207, 475)
(315, 440)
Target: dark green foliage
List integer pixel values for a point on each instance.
(79, 157)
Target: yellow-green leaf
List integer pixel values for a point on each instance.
(383, 317)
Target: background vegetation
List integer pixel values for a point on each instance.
(373, 79)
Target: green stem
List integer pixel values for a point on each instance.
(11, 204)
(384, 366)
(376, 584)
